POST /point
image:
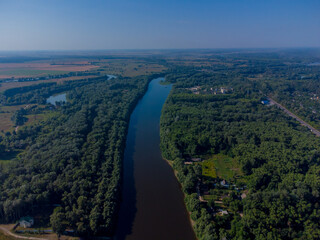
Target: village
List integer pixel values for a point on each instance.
(210, 90)
(218, 195)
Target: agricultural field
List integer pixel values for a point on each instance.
(128, 67)
(8, 85)
(28, 73)
(116, 65)
(42, 68)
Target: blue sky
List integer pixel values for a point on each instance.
(162, 24)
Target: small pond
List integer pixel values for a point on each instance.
(57, 98)
(111, 76)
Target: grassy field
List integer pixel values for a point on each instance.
(221, 166)
(33, 118)
(209, 197)
(208, 169)
(6, 112)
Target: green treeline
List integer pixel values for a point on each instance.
(73, 161)
(279, 159)
(40, 92)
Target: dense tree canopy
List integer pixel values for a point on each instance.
(73, 160)
(279, 158)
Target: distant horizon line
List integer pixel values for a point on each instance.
(158, 49)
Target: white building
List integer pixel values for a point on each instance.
(26, 222)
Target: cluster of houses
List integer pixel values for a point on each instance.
(315, 97)
(204, 188)
(192, 160)
(215, 91)
(195, 90)
(222, 90)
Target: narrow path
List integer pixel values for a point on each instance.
(7, 232)
(303, 123)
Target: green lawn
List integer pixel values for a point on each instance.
(44, 116)
(221, 166)
(208, 169)
(209, 197)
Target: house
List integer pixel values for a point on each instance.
(188, 163)
(195, 90)
(26, 222)
(223, 212)
(196, 159)
(243, 195)
(224, 183)
(265, 102)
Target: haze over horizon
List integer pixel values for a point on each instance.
(143, 24)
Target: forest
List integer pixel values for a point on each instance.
(68, 168)
(271, 189)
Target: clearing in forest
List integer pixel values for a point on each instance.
(221, 166)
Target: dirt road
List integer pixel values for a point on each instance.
(303, 123)
(7, 232)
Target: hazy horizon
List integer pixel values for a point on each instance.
(38, 25)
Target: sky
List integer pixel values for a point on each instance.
(161, 24)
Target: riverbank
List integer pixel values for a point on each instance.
(170, 163)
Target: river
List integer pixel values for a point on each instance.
(152, 207)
